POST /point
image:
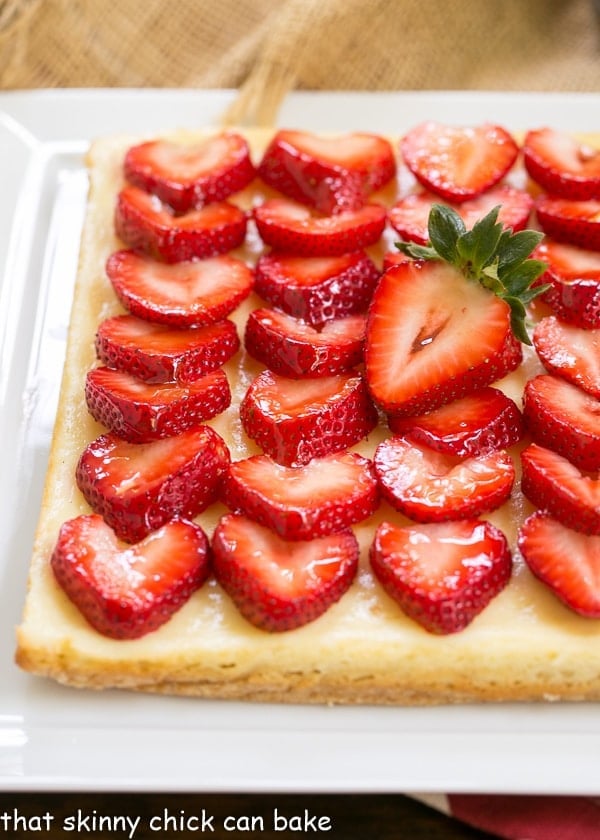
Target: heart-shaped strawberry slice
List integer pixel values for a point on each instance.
(157, 353)
(128, 592)
(317, 289)
(187, 176)
(485, 420)
(288, 226)
(574, 277)
(574, 222)
(290, 347)
(458, 162)
(429, 486)
(562, 165)
(570, 352)
(564, 418)
(295, 420)
(146, 224)
(565, 560)
(332, 174)
(279, 585)
(191, 293)
(300, 503)
(140, 412)
(554, 484)
(409, 216)
(443, 574)
(137, 487)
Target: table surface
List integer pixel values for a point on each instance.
(391, 817)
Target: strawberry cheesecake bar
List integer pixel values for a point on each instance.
(329, 428)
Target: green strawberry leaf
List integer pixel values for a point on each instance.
(531, 294)
(518, 314)
(514, 248)
(445, 228)
(478, 245)
(520, 277)
(419, 252)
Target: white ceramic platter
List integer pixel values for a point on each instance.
(54, 738)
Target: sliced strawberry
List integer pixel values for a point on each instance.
(458, 338)
(317, 289)
(156, 353)
(301, 503)
(569, 352)
(295, 420)
(125, 593)
(292, 348)
(187, 176)
(565, 419)
(140, 412)
(568, 262)
(137, 487)
(574, 278)
(565, 560)
(288, 226)
(279, 585)
(458, 163)
(410, 215)
(574, 222)
(333, 174)
(428, 486)
(562, 165)
(444, 574)
(473, 425)
(553, 483)
(191, 293)
(144, 223)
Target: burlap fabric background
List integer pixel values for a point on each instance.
(267, 47)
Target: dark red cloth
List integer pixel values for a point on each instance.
(530, 817)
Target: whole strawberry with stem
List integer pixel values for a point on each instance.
(466, 293)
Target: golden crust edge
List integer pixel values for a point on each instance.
(306, 688)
